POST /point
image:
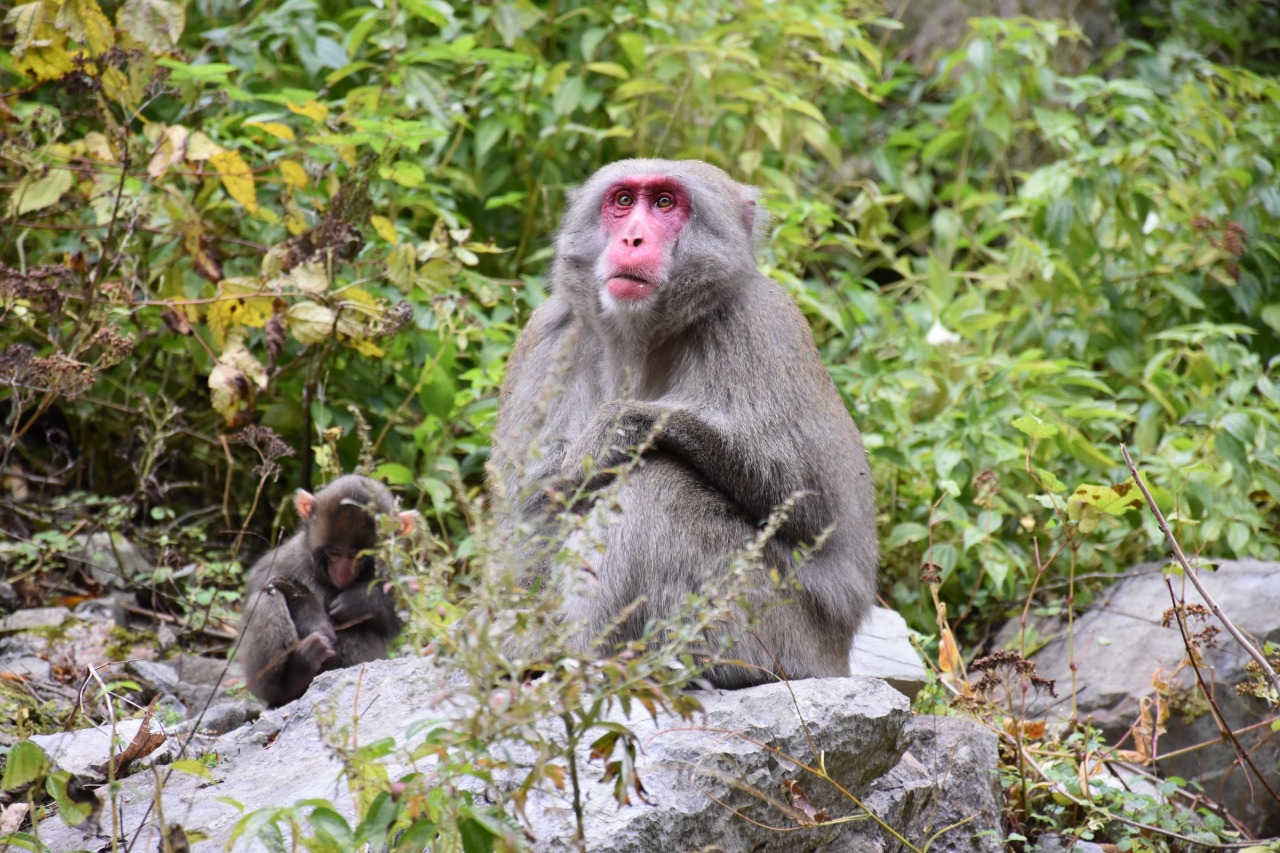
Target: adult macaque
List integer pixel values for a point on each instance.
(316, 602)
(659, 329)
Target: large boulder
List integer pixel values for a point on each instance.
(1126, 648)
(717, 780)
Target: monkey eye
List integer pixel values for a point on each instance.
(664, 201)
(624, 199)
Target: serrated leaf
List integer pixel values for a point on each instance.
(85, 22)
(293, 173)
(26, 763)
(156, 24)
(310, 322)
(43, 192)
(39, 47)
(275, 128)
(311, 108)
(1034, 427)
(237, 178)
(385, 228)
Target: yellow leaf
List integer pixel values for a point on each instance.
(241, 302)
(171, 151)
(230, 380)
(294, 174)
(310, 322)
(368, 348)
(115, 85)
(201, 147)
(385, 229)
(311, 108)
(275, 128)
(237, 178)
(39, 47)
(294, 219)
(948, 653)
(84, 21)
(99, 147)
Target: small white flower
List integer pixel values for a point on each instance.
(939, 336)
(1150, 223)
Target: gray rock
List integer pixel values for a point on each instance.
(882, 649)
(27, 666)
(112, 559)
(87, 752)
(162, 677)
(861, 726)
(1119, 645)
(945, 792)
(197, 669)
(34, 618)
(225, 716)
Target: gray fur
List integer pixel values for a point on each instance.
(720, 359)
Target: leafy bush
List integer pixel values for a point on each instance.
(331, 219)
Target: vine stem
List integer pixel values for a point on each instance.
(1193, 575)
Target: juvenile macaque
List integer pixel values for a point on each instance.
(659, 323)
(316, 602)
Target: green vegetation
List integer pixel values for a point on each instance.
(234, 232)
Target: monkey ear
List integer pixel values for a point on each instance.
(305, 502)
(408, 519)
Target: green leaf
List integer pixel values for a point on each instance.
(634, 46)
(26, 764)
(193, 768)
(73, 810)
(610, 69)
(476, 837)
(43, 192)
(393, 474)
(1034, 427)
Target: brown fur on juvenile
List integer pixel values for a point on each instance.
(316, 602)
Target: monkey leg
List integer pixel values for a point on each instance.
(358, 645)
(670, 534)
(279, 666)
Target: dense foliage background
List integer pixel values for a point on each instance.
(249, 245)
(329, 219)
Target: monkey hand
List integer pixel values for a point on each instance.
(316, 649)
(617, 431)
(357, 604)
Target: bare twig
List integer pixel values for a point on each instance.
(1193, 575)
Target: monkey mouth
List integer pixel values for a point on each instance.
(630, 286)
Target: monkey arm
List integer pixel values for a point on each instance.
(759, 482)
(368, 606)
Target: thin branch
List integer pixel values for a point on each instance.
(1193, 575)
